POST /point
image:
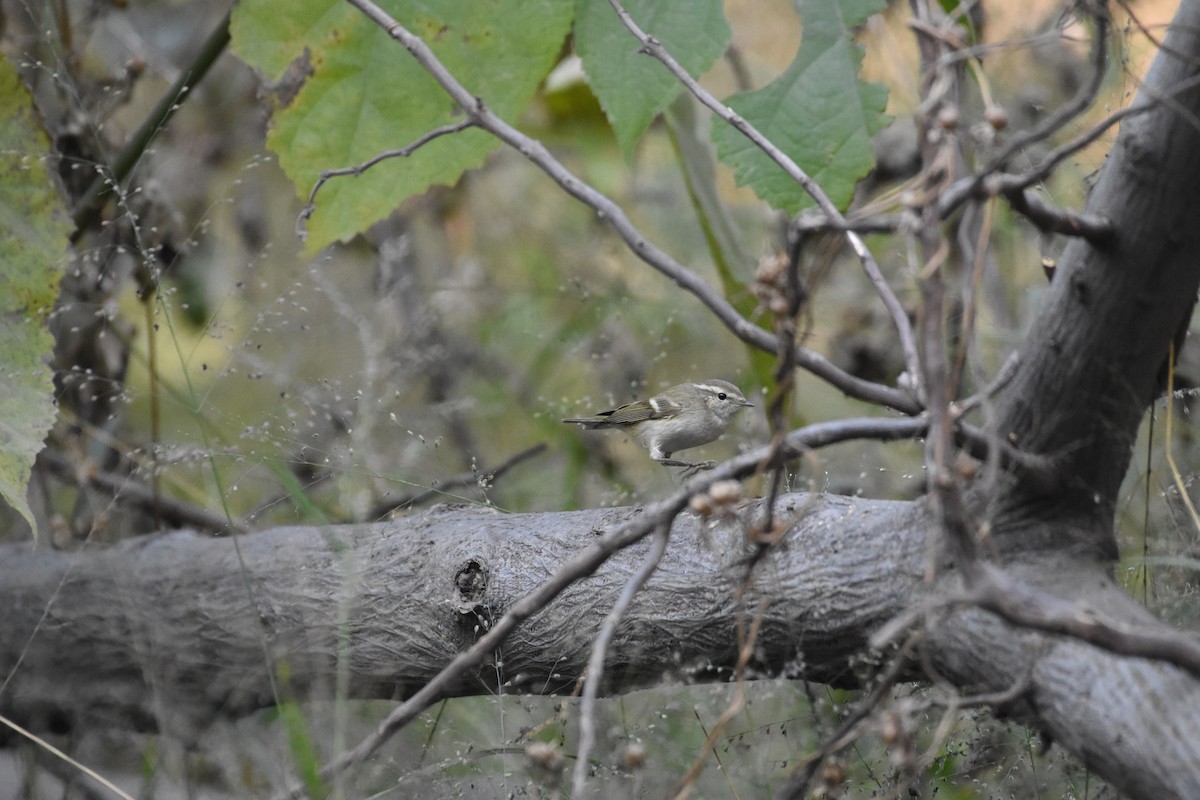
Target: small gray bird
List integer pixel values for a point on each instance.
(687, 415)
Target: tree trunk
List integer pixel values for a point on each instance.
(1092, 363)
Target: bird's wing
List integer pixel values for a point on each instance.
(642, 410)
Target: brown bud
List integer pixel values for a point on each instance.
(996, 116)
(545, 755)
(702, 504)
(833, 772)
(725, 492)
(947, 118)
(634, 755)
(891, 728)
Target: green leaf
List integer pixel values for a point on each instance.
(817, 112)
(632, 87)
(36, 227)
(366, 93)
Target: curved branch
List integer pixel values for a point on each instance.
(595, 666)
(358, 169)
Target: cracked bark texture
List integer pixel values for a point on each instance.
(168, 631)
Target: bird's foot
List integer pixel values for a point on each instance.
(690, 465)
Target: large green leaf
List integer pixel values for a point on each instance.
(366, 94)
(817, 111)
(34, 243)
(632, 87)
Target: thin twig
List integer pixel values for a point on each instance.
(1067, 221)
(1018, 603)
(1082, 100)
(944, 488)
(401, 152)
(86, 770)
(126, 489)
(954, 702)
(473, 477)
(595, 665)
(814, 221)
(797, 785)
(1028, 607)
(1003, 376)
(990, 181)
(1039, 172)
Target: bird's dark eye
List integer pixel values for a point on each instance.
(721, 395)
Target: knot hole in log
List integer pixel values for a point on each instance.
(470, 584)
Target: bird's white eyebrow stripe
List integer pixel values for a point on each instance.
(708, 387)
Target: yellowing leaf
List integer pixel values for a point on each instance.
(366, 93)
(35, 228)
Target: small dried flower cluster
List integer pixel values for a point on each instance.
(718, 498)
(771, 284)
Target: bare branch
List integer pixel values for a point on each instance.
(1004, 184)
(1015, 601)
(939, 150)
(1021, 604)
(471, 478)
(1046, 217)
(1082, 100)
(595, 666)
(402, 152)
(54, 751)
(1003, 376)
(814, 221)
(128, 489)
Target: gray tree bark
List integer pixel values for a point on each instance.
(172, 630)
(1092, 363)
